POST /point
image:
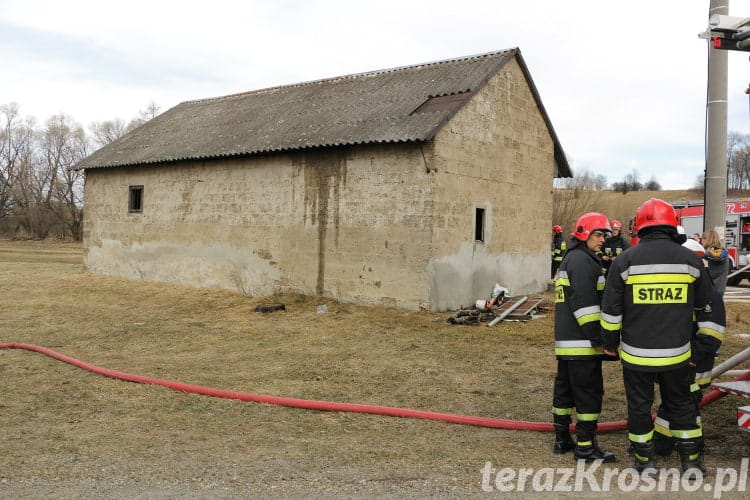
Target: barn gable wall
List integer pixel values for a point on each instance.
(495, 154)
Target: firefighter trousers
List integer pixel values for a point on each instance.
(677, 401)
(579, 385)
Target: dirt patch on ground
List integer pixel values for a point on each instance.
(69, 433)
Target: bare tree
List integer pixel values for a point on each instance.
(575, 195)
(652, 185)
(16, 146)
(64, 144)
(738, 161)
(107, 132)
(151, 112)
(39, 191)
(47, 192)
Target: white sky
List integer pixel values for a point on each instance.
(624, 83)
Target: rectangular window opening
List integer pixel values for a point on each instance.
(135, 199)
(479, 225)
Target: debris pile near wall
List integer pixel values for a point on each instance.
(512, 309)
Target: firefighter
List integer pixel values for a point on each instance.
(614, 245)
(578, 384)
(651, 294)
(558, 248)
(707, 339)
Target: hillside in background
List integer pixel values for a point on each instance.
(623, 206)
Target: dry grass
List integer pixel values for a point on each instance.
(63, 423)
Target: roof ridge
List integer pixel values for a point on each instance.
(352, 76)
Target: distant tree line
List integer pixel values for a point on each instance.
(40, 195)
(586, 180)
(738, 162)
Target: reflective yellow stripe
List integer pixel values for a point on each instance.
(587, 417)
(589, 318)
(641, 438)
(687, 434)
(711, 329)
(659, 278)
(611, 327)
(561, 281)
(575, 351)
(562, 411)
(643, 361)
(583, 444)
(711, 333)
(662, 426)
(703, 378)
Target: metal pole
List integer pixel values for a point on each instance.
(716, 132)
(731, 362)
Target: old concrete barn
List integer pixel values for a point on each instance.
(419, 185)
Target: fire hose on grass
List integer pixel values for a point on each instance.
(310, 404)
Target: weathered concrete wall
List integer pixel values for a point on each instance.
(496, 154)
(351, 224)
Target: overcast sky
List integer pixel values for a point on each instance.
(624, 83)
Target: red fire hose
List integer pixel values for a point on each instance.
(310, 404)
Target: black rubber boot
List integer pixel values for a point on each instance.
(644, 453)
(663, 445)
(563, 440)
(691, 455)
(589, 451)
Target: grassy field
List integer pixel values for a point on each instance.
(65, 429)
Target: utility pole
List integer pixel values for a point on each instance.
(715, 187)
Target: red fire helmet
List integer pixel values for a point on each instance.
(655, 212)
(557, 229)
(589, 222)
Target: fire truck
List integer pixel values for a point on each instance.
(736, 233)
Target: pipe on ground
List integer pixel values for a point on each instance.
(731, 362)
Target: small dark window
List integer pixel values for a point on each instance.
(135, 199)
(479, 225)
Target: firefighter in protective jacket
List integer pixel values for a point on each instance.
(707, 338)
(653, 289)
(558, 248)
(579, 283)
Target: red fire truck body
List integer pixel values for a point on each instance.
(736, 233)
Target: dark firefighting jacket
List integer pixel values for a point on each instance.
(652, 292)
(558, 248)
(613, 247)
(708, 339)
(579, 284)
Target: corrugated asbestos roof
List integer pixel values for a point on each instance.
(366, 108)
